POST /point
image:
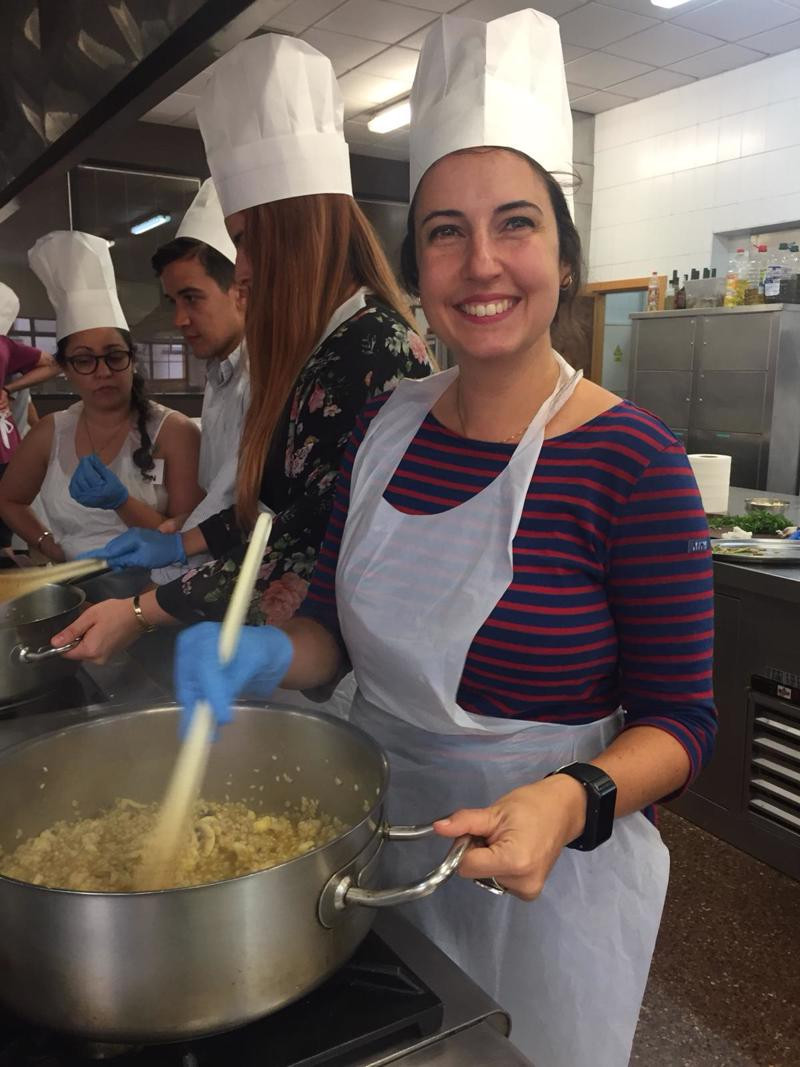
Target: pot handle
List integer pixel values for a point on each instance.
(342, 891)
(29, 655)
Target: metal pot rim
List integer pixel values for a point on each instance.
(14, 624)
(266, 707)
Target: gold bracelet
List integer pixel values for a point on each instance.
(146, 626)
(47, 533)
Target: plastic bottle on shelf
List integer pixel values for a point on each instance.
(652, 292)
(736, 279)
(763, 253)
(776, 263)
(672, 292)
(753, 289)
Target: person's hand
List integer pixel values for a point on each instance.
(140, 548)
(173, 525)
(52, 550)
(94, 485)
(104, 629)
(259, 664)
(5, 402)
(524, 833)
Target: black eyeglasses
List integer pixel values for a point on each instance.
(118, 359)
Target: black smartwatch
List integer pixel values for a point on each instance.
(601, 799)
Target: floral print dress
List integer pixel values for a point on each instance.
(366, 356)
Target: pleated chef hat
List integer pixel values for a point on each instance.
(500, 83)
(9, 308)
(271, 117)
(205, 222)
(76, 270)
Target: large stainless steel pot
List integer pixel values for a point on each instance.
(28, 663)
(137, 967)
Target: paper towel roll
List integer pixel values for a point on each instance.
(713, 474)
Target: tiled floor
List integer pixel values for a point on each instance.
(724, 987)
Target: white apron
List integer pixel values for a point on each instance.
(412, 591)
(75, 527)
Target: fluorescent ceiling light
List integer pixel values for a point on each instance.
(391, 118)
(668, 3)
(150, 224)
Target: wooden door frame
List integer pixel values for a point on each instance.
(599, 291)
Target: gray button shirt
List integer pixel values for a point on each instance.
(225, 401)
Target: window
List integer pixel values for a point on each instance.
(163, 361)
(40, 333)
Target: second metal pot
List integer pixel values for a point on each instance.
(28, 662)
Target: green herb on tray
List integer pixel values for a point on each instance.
(755, 522)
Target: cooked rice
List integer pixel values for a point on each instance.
(227, 840)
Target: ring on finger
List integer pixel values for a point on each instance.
(491, 885)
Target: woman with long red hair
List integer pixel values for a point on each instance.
(327, 328)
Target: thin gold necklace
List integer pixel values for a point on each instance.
(459, 411)
(97, 451)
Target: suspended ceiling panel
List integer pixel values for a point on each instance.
(615, 52)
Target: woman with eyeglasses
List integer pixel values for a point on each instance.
(114, 459)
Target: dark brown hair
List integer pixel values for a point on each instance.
(569, 243)
(218, 267)
(306, 253)
(143, 456)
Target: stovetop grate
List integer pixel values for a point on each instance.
(373, 1003)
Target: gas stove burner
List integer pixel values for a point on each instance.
(373, 1003)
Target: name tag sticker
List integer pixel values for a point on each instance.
(157, 473)
(700, 544)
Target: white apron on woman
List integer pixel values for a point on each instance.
(79, 529)
(412, 592)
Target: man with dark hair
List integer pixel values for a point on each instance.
(196, 270)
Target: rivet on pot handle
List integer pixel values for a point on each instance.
(28, 655)
(342, 892)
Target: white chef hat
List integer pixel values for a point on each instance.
(271, 117)
(500, 83)
(9, 308)
(76, 270)
(205, 222)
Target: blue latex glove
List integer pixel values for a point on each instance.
(140, 548)
(795, 536)
(260, 663)
(95, 486)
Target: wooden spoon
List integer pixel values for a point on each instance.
(25, 580)
(158, 864)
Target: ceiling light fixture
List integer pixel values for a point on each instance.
(150, 223)
(391, 118)
(668, 3)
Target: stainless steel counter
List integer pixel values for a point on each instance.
(756, 645)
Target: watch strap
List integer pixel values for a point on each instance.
(601, 799)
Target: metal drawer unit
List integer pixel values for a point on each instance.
(774, 777)
(726, 380)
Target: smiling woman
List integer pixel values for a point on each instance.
(547, 675)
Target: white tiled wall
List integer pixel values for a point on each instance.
(718, 155)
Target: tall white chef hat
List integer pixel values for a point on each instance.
(271, 117)
(9, 308)
(76, 270)
(205, 222)
(500, 83)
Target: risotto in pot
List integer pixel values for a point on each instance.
(228, 839)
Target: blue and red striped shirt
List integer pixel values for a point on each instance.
(612, 598)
